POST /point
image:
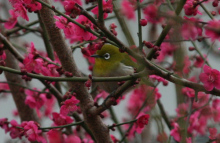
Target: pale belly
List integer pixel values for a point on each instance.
(122, 70)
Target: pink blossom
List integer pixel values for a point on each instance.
(210, 78)
(34, 99)
(151, 14)
(202, 100)
(139, 95)
(198, 124)
(190, 8)
(114, 139)
(102, 94)
(49, 104)
(32, 133)
(189, 140)
(55, 136)
(213, 133)
(81, 33)
(32, 5)
(212, 30)
(187, 64)
(11, 22)
(216, 110)
(71, 9)
(175, 132)
(199, 61)
(143, 120)
(167, 49)
(190, 30)
(20, 10)
(159, 79)
(128, 9)
(188, 92)
(69, 106)
(14, 131)
(73, 139)
(60, 119)
(106, 6)
(182, 110)
(4, 124)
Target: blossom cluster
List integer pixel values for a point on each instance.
(81, 24)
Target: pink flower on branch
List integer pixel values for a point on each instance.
(4, 124)
(60, 119)
(69, 106)
(71, 9)
(212, 30)
(34, 99)
(191, 7)
(175, 132)
(128, 10)
(190, 30)
(55, 136)
(210, 78)
(151, 14)
(106, 6)
(11, 22)
(142, 120)
(32, 132)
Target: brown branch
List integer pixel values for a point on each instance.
(99, 130)
(25, 112)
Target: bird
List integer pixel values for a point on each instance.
(110, 62)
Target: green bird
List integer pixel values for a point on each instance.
(110, 62)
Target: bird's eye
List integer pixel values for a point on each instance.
(107, 56)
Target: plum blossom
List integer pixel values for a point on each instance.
(34, 99)
(210, 78)
(72, 139)
(32, 132)
(14, 131)
(19, 9)
(190, 30)
(106, 6)
(151, 14)
(69, 106)
(4, 124)
(81, 33)
(167, 49)
(139, 95)
(142, 120)
(199, 61)
(60, 119)
(190, 8)
(12, 21)
(212, 30)
(175, 132)
(159, 79)
(128, 10)
(182, 110)
(70, 7)
(55, 136)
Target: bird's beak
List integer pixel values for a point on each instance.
(95, 56)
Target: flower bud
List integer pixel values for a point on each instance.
(143, 22)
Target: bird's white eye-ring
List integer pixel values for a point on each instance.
(107, 56)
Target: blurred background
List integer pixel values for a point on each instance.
(168, 99)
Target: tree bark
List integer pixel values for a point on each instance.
(25, 112)
(94, 122)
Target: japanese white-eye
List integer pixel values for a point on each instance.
(110, 62)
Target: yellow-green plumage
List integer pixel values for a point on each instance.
(110, 62)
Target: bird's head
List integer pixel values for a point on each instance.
(107, 59)
(108, 54)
